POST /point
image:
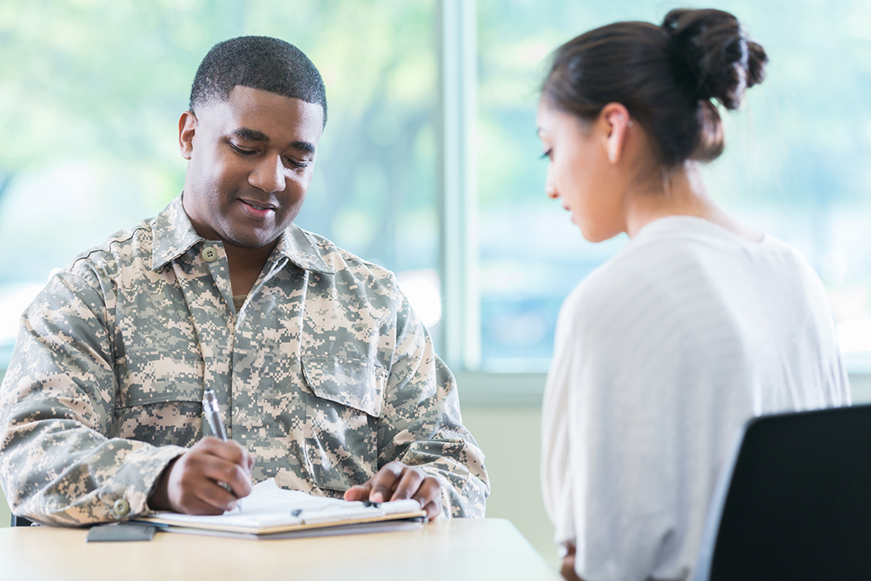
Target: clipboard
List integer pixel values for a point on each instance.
(272, 512)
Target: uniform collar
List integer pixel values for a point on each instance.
(174, 235)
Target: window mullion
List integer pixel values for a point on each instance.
(458, 188)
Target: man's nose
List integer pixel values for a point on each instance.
(268, 175)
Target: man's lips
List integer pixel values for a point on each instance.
(258, 205)
(256, 210)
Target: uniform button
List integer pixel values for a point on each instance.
(121, 507)
(210, 254)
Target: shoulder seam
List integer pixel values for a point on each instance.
(108, 244)
(324, 243)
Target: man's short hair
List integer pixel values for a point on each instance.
(258, 62)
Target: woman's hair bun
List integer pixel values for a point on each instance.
(711, 56)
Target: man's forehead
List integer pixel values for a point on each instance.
(255, 111)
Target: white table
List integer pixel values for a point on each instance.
(455, 550)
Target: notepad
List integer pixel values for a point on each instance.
(272, 512)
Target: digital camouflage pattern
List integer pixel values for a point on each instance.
(324, 375)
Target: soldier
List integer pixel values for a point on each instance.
(327, 379)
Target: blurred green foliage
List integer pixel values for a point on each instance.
(91, 91)
(803, 137)
(796, 163)
(95, 88)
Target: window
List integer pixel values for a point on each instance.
(429, 163)
(95, 90)
(796, 162)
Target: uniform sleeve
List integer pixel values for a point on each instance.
(57, 463)
(421, 424)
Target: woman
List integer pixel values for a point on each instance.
(697, 325)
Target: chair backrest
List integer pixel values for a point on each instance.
(794, 501)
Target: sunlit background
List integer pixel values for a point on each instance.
(91, 91)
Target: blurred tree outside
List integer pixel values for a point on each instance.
(92, 91)
(796, 160)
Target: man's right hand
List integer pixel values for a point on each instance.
(189, 484)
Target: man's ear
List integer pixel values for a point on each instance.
(187, 126)
(616, 123)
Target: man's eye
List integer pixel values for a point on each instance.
(547, 153)
(295, 164)
(238, 149)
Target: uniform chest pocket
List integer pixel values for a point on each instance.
(159, 400)
(343, 408)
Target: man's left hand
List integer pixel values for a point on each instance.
(396, 481)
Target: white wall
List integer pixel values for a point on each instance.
(511, 440)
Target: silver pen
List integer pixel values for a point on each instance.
(213, 415)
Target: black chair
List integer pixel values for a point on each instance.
(794, 501)
(20, 521)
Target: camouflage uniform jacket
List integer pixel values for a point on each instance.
(324, 375)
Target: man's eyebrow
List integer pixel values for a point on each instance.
(254, 135)
(251, 135)
(303, 146)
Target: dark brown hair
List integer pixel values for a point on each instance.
(666, 76)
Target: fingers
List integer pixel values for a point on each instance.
(429, 496)
(226, 462)
(433, 509)
(408, 483)
(414, 483)
(358, 492)
(190, 491)
(229, 450)
(396, 481)
(568, 569)
(384, 482)
(211, 499)
(193, 482)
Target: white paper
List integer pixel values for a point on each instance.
(270, 506)
(389, 526)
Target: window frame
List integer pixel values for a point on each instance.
(460, 340)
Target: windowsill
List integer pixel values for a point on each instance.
(478, 389)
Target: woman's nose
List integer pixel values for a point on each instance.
(549, 187)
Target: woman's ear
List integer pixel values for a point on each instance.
(187, 125)
(616, 122)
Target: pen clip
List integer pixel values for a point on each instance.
(213, 414)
